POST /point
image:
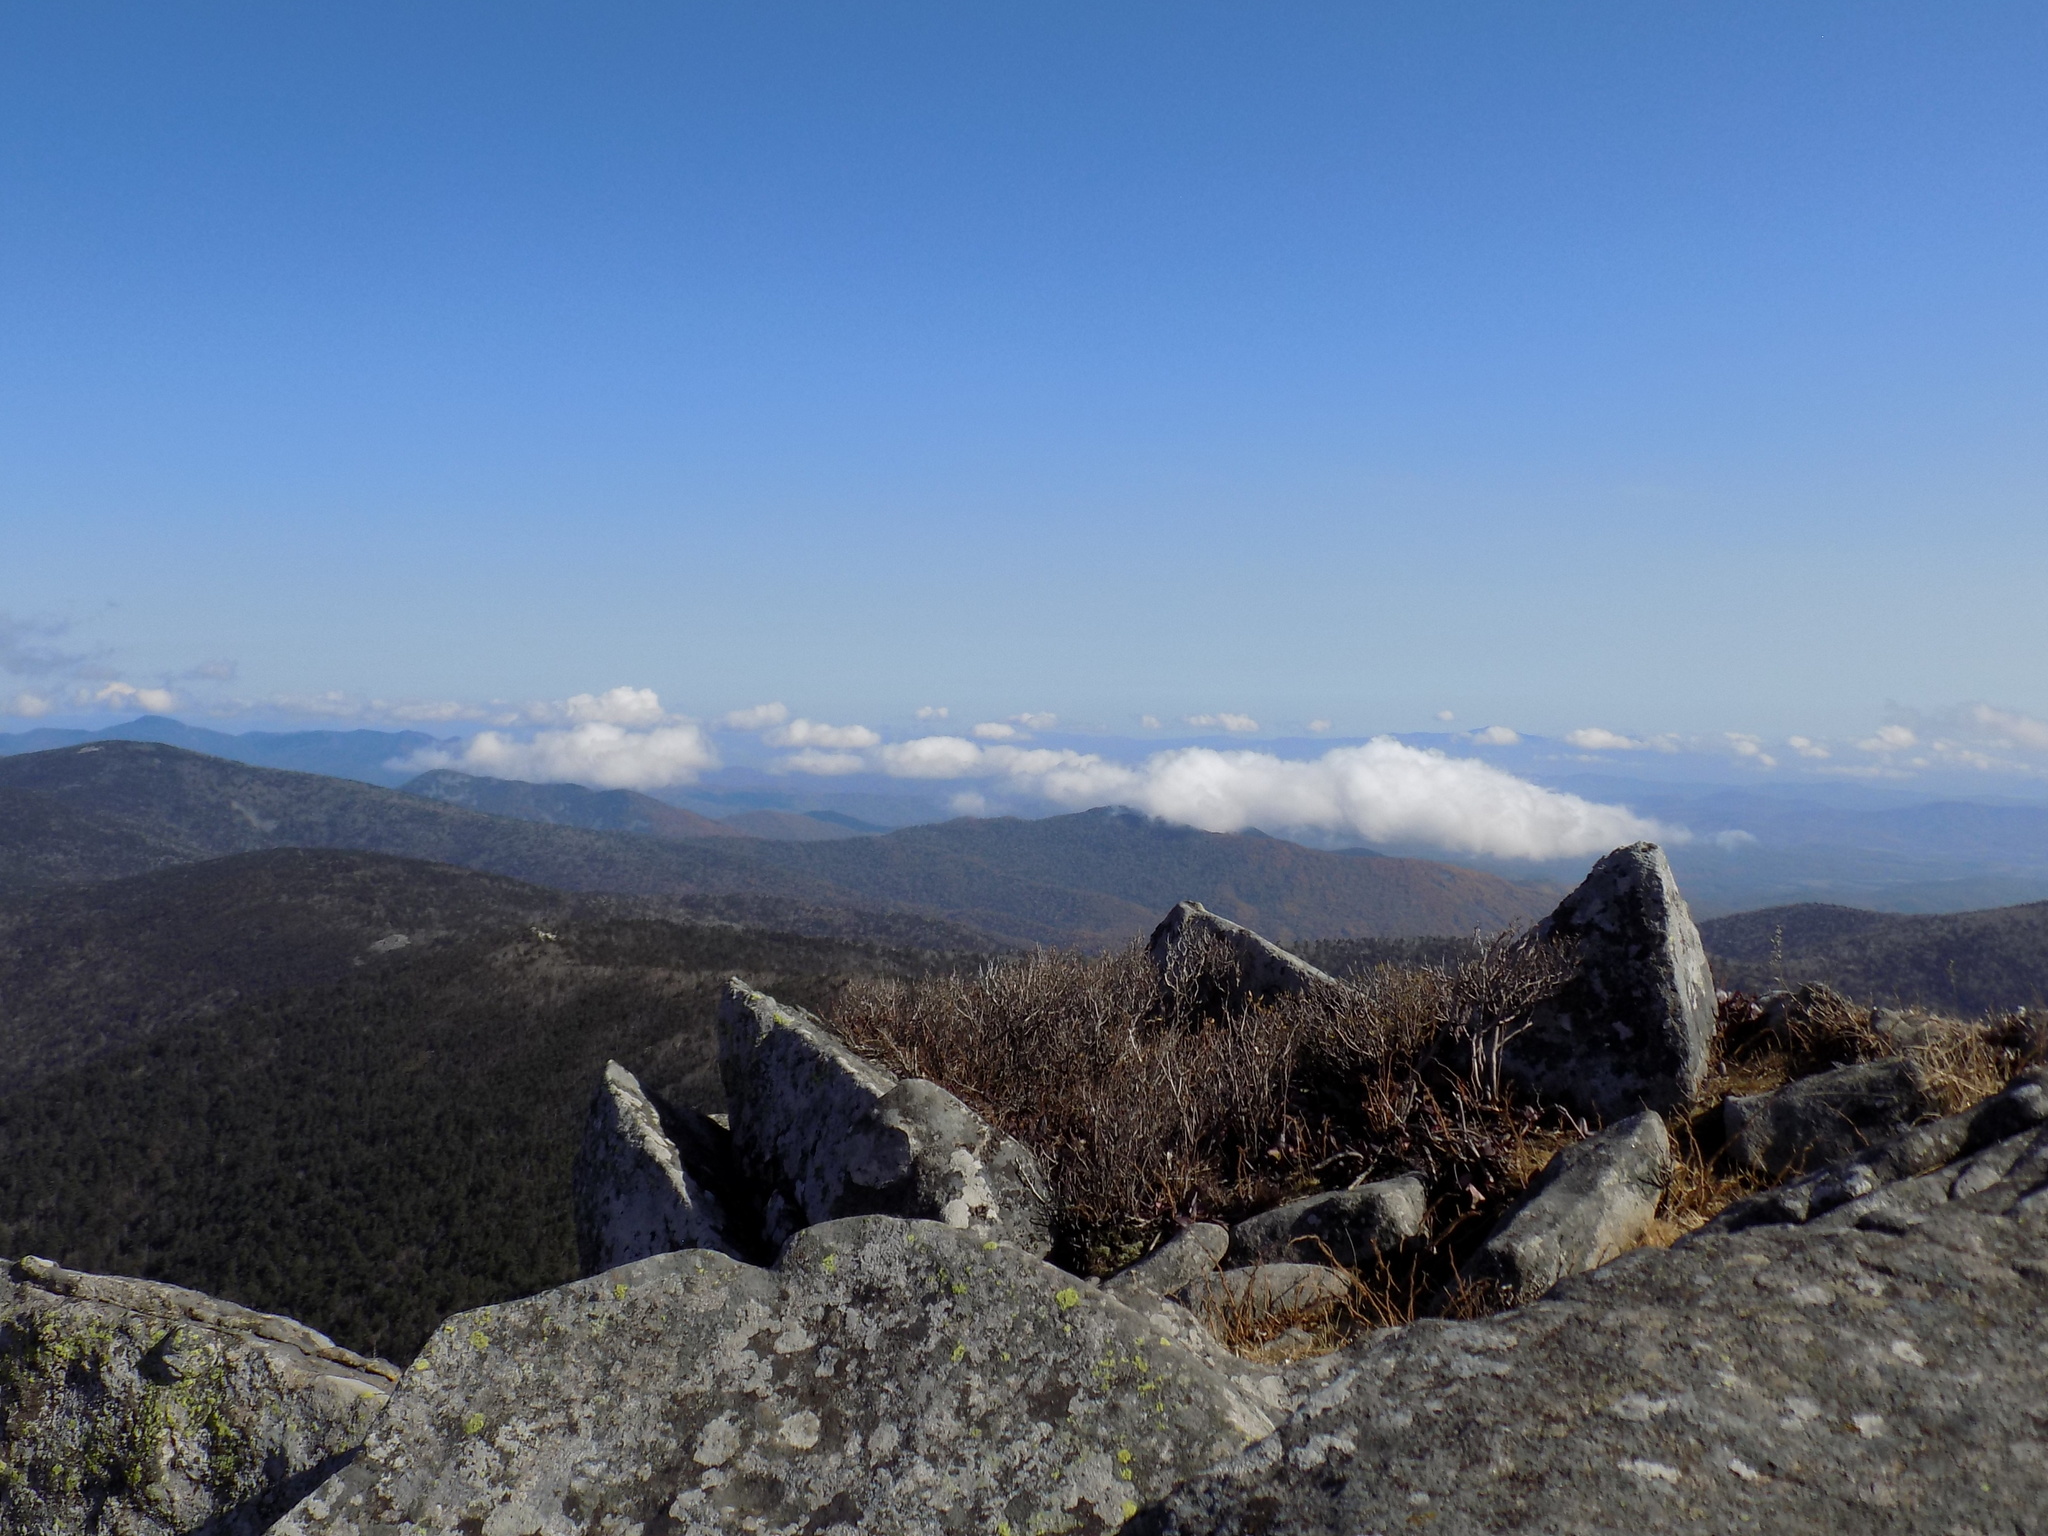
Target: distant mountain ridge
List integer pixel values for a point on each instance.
(618, 810)
(1089, 879)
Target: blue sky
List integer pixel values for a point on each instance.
(1669, 370)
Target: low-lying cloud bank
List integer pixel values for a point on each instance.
(1384, 791)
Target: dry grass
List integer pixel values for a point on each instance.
(1153, 1100)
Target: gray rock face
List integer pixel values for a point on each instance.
(1264, 1290)
(1342, 1226)
(1851, 1374)
(1196, 1250)
(1825, 1117)
(1593, 1200)
(886, 1376)
(632, 1194)
(1264, 969)
(1899, 1174)
(831, 1135)
(135, 1409)
(1633, 1028)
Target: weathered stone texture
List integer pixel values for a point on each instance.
(1263, 968)
(1825, 1117)
(1342, 1226)
(827, 1134)
(129, 1408)
(1633, 1028)
(886, 1376)
(632, 1193)
(1593, 1200)
(1196, 1250)
(1882, 1375)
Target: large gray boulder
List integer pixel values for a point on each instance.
(129, 1408)
(632, 1193)
(1825, 1117)
(885, 1376)
(1633, 1028)
(1263, 969)
(1878, 1372)
(1340, 1226)
(827, 1134)
(1194, 1251)
(1593, 1200)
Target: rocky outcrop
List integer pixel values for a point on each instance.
(1825, 1117)
(1632, 1029)
(886, 1375)
(1194, 1251)
(1342, 1226)
(1262, 969)
(1593, 1200)
(1878, 1370)
(632, 1192)
(827, 1135)
(1260, 1291)
(135, 1409)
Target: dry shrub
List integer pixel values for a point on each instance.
(1154, 1099)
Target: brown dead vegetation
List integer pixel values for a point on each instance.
(1154, 1101)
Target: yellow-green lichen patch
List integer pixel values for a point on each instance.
(1067, 1298)
(479, 1340)
(473, 1425)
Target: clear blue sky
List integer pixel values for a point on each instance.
(1667, 367)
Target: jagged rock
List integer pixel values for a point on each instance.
(1594, 1199)
(1901, 1174)
(887, 1375)
(1196, 1250)
(828, 1134)
(1341, 1226)
(129, 1408)
(1264, 969)
(1264, 1290)
(1632, 1029)
(1785, 1378)
(1825, 1117)
(633, 1194)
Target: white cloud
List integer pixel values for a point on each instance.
(1036, 722)
(125, 696)
(1149, 722)
(968, 803)
(29, 705)
(1237, 725)
(995, 730)
(1498, 736)
(1730, 841)
(598, 753)
(1593, 738)
(757, 717)
(1751, 747)
(814, 760)
(811, 733)
(1445, 715)
(2007, 728)
(1807, 747)
(1890, 738)
(1384, 791)
(615, 706)
(932, 712)
(1319, 726)
(433, 711)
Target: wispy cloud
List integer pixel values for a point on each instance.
(1496, 736)
(1595, 738)
(125, 696)
(813, 733)
(28, 648)
(619, 739)
(932, 712)
(756, 718)
(29, 706)
(1237, 725)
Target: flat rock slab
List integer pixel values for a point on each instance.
(1342, 1226)
(143, 1409)
(1632, 1030)
(828, 1134)
(1791, 1378)
(1826, 1117)
(632, 1193)
(1265, 1290)
(1593, 1200)
(1196, 1250)
(886, 1376)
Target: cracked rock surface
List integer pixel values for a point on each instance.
(633, 1194)
(886, 1375)
(129, 1408)
(1877, 1369)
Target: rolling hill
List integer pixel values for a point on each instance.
(1963, 962)
(1093, 878)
